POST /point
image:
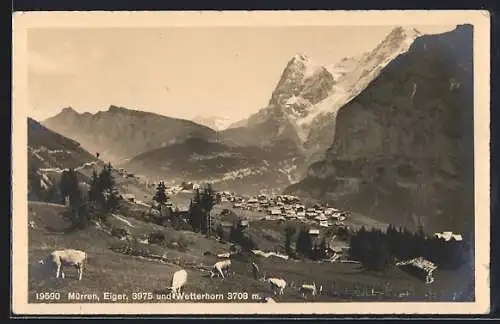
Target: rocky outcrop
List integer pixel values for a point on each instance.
(303, 83)
(403, 148)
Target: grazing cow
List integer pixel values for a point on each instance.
(278, 285)
(255, 270)
(220, 267)
(268, 300)
(179, 279)
(66, 258)
(304, 289)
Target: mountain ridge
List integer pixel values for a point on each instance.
(49, 153)
(403, 148)
(121, 133)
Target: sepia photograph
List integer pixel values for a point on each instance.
(324, 162)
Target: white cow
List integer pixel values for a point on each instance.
(304, 289)
(179, 279)
(224, 255)
(255, 270)
(66, 258)
(220, 267)
(268, 300)
(278, 285)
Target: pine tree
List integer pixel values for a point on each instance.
(68, 186)
(95, 190)
(194, 211)
(200, 209)
(323, 246)
(381, 257)
(51, 194)
(36, 191)
(236, 233)
(289, 232)
(220, 231)
(161, 197)
(304, 243)
(207, 201)
(103, 197)
(106, 181)
(421, 232)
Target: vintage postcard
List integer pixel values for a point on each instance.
(319, 162)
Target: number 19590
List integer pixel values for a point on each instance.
(48, 296)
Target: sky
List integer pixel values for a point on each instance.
(180, 72)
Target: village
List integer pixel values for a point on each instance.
(324, 222)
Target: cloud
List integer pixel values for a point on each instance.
(40, 64)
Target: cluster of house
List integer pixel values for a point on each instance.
(124, 173)
(288, 207)
(173, 189)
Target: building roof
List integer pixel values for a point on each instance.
(448, 236)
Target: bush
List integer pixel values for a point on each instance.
(180, 224)
(119, 232)
(184, 242)
(130, 249)
(172, 244)
(181, 243)
(156, 237)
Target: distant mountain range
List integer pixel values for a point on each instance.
(215, 123)
(119, 133)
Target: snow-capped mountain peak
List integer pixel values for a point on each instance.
(353, 74)
(215, 123)
(308, 94)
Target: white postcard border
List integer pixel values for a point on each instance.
(22, 21)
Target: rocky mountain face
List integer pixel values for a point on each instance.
(121, 133)
(245, 169)
(302, 82)
(240, 123)
(215, 123)
(305, 101)
(403, 148)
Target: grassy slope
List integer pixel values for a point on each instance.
(113, 272)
